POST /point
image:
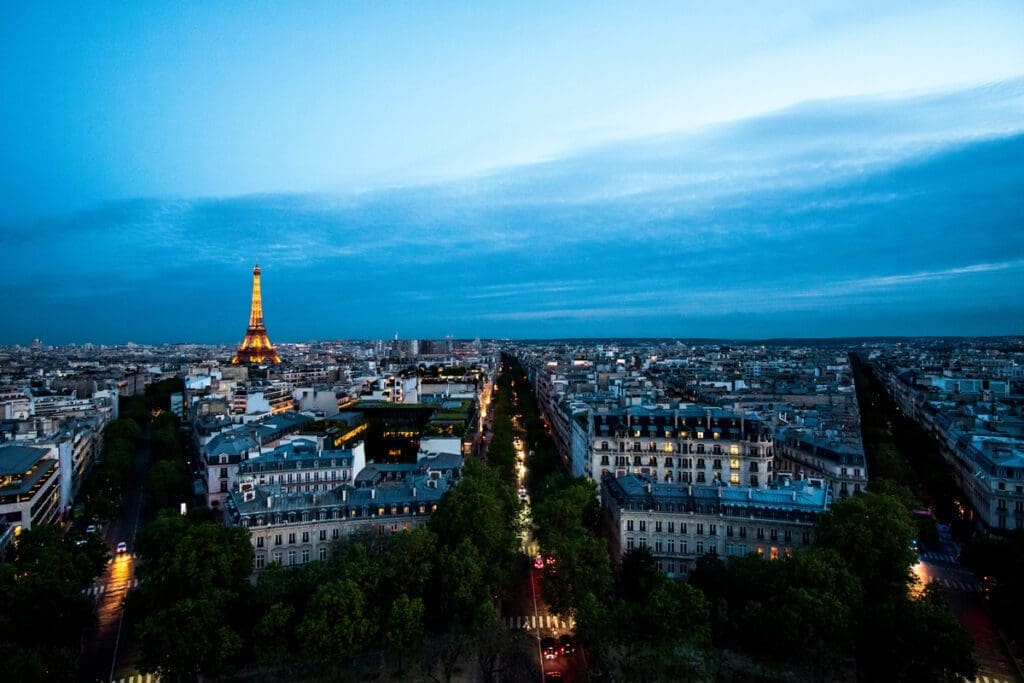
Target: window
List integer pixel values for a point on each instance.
(671, 546)
(604, 445)
(305, 537)
(775, 534)
(629, 543)
(753, 480)
(277, 541)
(291, 557)
(259, 541)
(643, 525)
(700, 547)
(335, 533)
(787, 536)
(260, 560)
(753, 466)
(700, 463)
(323, 553)
(629, 525)
(643, 542)
(668, 461)
(671, 527)
(305, 556)
(734, 449)
(657, 545)
(701, 478)
(682, 528)
(734, 478)
(728, 532)
(717, 464)
(291, 538)
(604, 460)
(223, 472)
(760, 535)
(700, 529)
(713, 530)
(743, 534)
(277, 557)
(657, 526)
(323, 534)
(682, 547)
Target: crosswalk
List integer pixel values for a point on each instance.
(983, 678)
(945, 558)
(101, 588)
(953, 584)
(540, 622)
(137, 678)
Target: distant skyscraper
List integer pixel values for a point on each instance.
(256, 347)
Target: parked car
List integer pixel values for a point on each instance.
(538, 562)
(549, 647)
(91, 529)
(122, 547)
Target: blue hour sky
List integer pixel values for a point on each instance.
(523, 170)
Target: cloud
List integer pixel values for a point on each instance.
(841, 208)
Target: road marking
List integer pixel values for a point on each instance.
(540, 622)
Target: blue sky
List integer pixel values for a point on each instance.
(538, 169)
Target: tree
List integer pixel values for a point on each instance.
(167, 483)
(404, 628)
(194, 577)
(44, 610)
(337, 626)
(873, 533)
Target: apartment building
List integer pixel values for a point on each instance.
(679, 523)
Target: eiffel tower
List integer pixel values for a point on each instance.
(256, 347)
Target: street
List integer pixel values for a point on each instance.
(966, 599)
(105, 655)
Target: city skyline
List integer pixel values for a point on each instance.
(844, 172)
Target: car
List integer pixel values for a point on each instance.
(567, 645)
(549, 647)
(122, 547)
(554, 675)
(538, 562)
(91, 529)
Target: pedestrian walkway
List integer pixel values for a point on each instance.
(940, 557)
(101, 588)
(953, 584)
(137, 678)
(541, 621)
(989, 678)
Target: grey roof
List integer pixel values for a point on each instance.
(232, 443)
(638, 490)
(298, 454)
(15, 460)
(417, 490)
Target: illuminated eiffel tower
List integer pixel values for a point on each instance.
(256, 347)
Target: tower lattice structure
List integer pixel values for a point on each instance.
(256, 347)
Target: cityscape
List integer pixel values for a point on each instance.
(527, 342)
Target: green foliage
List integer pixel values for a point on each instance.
(168, 483)
(194, 575)
(338, 623)
(44, 611)
(483, 510)
(873, 533)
